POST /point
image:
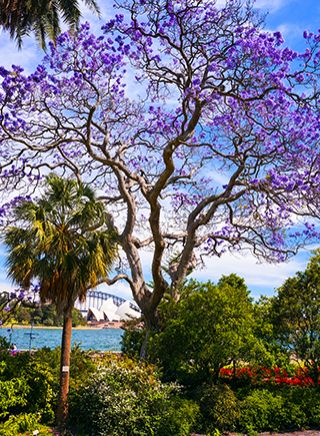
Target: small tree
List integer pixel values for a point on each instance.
(269, 351)
(65, 241)
(209, 327)
(296, 316)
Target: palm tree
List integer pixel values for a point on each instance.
(22, 17)
(66, 242)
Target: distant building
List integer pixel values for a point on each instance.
(102, 307)
(98, 307)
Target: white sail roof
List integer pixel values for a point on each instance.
(99, 316)
(126, 312)
(109, 309)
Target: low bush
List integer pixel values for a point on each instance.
(29, 384)
(219, 408)
(13, 395)
(263, 410)
(42, 395)
(308, 402)
(180, 417)
(18, 424)
(258, 411)
(132, 341)
(124, 398)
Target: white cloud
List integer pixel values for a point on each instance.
(290, 31)
(120, 289)
(5, 287)
(256, 275)
(271, 5)
(28, 57)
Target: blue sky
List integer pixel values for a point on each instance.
(291, 17)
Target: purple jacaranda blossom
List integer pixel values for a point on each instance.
(206, 128)
(21, 295)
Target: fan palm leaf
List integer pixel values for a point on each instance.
(22, 17)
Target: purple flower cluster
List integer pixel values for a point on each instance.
(208, 126)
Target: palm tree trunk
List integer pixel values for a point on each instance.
(62, 411)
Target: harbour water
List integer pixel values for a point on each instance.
(95, 339)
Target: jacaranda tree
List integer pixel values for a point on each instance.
(66, 242)
(199, 128)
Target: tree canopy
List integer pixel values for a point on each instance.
(65, 241)
(199, 128)
(211, 326)
(295, 313)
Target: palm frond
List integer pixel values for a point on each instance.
(42, 17)
(65, 240)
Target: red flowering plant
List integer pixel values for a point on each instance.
(295, 376)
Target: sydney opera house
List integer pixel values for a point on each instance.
(101, 307)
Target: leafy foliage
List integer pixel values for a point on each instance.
(219, 407)
(179, 418)
(295, 314)
(125, 398)
(208, 328)
(45, 315)
(273, 354)
(263, 410)
(132, 340)
(122, 397)
(13, 394)
(30, 383)
(24, 422)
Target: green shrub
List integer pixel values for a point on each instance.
(13, 394)
(259, 409)
(180, 418)
(219, 408)
(207, 328)
(41, 395)
(29, 384)
(18, 424)
(307, 400)
(32, 384)
(81, 364)
(263, 410)
(132, 341)
(124, 398)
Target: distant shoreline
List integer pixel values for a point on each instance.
(44, 327)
